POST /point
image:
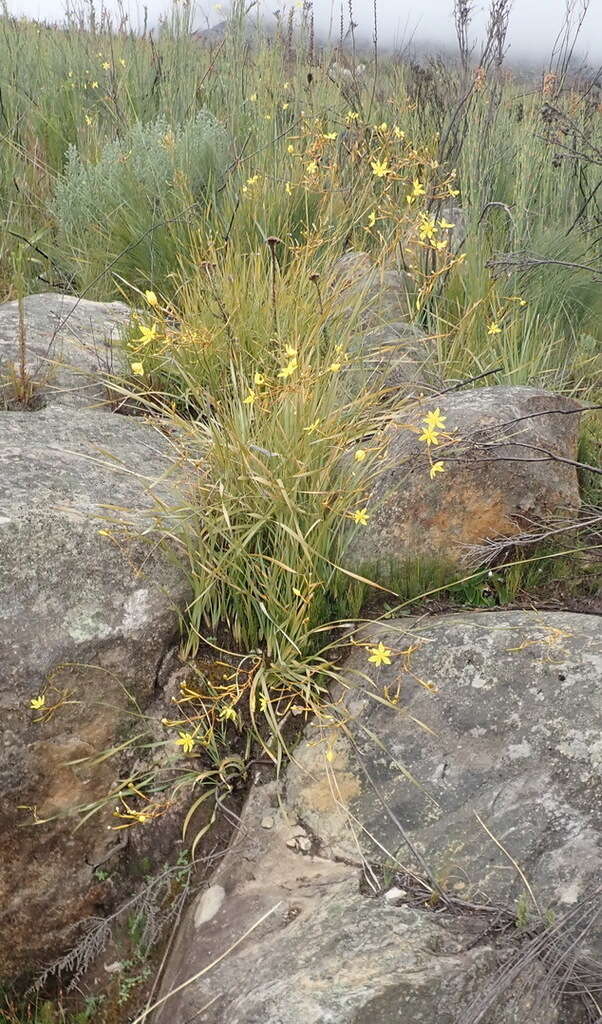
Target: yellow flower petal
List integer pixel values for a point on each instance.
(380, 655)
(429, 436)
(186, 742)
(380, 168)
(287, 371)
(435, 419)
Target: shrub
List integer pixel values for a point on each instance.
(131, 211)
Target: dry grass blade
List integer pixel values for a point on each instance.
(560, 951)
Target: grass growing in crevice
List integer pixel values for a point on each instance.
(244, 349)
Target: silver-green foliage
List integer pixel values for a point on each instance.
(137, 189)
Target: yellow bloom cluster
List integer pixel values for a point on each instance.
(433, 423)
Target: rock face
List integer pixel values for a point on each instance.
(323, 951)
(86, 616)
(510, 706)
(394, 359)
(68, 342)
(456, 234)
(390, 355)
(380, 295)
(499, 477)
(495, 714)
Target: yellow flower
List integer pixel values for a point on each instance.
(138, 369)
(288, 371)
(147, 334)
(151, 298)
(253, 181)
(37, 702)
(371, 219)
(186, 742)
(94, 85)
(427, 228)
(417, 188)
(228, 713)
(435, 419)
(361, 516)
(259, 379)
(429, 435)
(290, 148)
(445, 224)
(334, 367)
(330, 754)
(360, 455)
(380, 168)
(380, 655)
(250, 398)
(253, 97)
(329, 135)
(397, 132)
(437, 467)
(382, 127)
(285, 106)
(352, 116)
(122, 62)
(291, 352)
(286, 85)
(88, 120)
(494, 328)
(106, 65)
(312, 167)
(288, 189)
(311, 429)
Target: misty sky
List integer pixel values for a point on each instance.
(533, 27)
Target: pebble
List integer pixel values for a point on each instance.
(395, 894)
(267, 822)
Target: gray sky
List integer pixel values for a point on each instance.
(533, 27)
